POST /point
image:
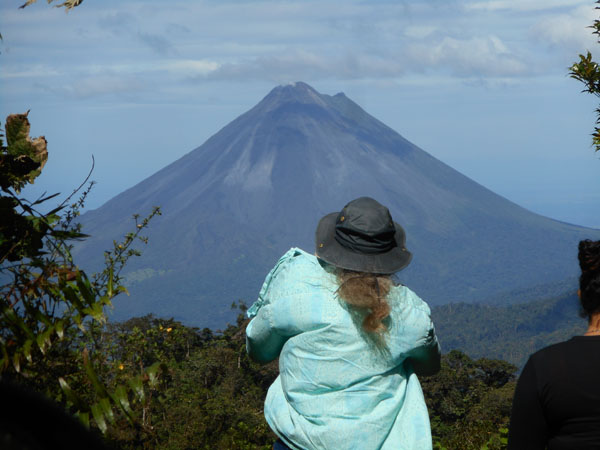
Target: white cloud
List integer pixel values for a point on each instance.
(30, 71)
(477, 56)
(301, 64)
(569, 31)
(522, 5)
(484, 56)
(280, 41)
(190, 67)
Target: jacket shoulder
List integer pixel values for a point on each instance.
(409, 298)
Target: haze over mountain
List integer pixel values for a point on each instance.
(259, 186)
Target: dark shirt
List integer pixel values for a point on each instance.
(557, 400)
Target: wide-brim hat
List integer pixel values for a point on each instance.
(362, 237)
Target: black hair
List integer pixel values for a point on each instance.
(589, 281)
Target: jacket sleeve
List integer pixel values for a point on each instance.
(426, 356)
(263, 341)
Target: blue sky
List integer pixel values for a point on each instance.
(481, 85)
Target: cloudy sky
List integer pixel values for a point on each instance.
(481, 85)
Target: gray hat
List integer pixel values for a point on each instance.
(362, 237)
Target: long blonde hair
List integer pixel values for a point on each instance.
(367, 293)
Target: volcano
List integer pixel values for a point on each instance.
(259, 186)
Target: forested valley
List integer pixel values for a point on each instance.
(511, 332)
(206, 393)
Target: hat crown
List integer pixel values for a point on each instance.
(365, 226)
(362, 238)
(367, 217)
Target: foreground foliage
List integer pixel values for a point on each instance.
(587, 71)
(67, 4)
(469, 402)
(210, 394)
(51, 311)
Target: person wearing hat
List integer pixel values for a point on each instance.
(350, 340)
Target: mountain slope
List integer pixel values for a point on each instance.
(511, 332)
(232, 206)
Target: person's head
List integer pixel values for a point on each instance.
(366, 246)
(362, 237)
(589, 281)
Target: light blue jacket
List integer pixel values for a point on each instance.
(336, 388)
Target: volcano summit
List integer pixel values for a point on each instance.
(259, 186)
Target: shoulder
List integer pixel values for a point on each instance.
(405, 297)
(545, 360)
(293, 261)
(553, 349)
(577, 345)
(296, 255)
(295, 271)
(410, 315)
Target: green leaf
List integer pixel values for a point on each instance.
(84, 418)
(44, 199)
(71, 295)
(120, 397)
(72, 397)
(43, 339)
(105, 300)
(13, 317)
(40, 342)
(96, 312)
(109, 287)
(29, 154)
(91, 373)
(42, 318)
(27, 349)
(138, 389)
(17, 362)
(17, 128)
(62, 234)
(77, 320)
(152, 373)
(85, 289)
(106, 408)
(99, 417)
(55, 210)
(60, 331)
(122, 289)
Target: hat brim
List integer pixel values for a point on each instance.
(330, 251)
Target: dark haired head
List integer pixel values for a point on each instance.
(589, 281)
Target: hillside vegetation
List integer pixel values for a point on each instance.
(209, 395)
(511, 332)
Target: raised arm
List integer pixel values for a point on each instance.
(264, 338)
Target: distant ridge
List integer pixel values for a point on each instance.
(511, 332)
(233, 205)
